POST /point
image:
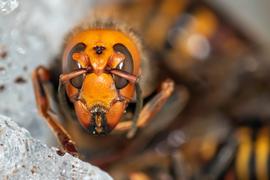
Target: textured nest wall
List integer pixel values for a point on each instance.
(23, 157)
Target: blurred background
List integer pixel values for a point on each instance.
(225, 66)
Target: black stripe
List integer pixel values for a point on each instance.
(252, 160)
(252, 163)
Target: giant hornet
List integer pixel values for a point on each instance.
(113, 75)
(104, 69)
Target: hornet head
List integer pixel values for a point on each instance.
(100, 69)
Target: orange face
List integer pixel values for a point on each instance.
(100, 96)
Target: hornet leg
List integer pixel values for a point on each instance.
(41, 83)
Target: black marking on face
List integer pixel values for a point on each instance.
(73, 65)
(126, 65)
(98, 124)
(99, 49)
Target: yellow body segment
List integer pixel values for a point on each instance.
(243, 154)
(262, 153)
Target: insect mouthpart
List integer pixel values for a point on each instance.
(98, 123)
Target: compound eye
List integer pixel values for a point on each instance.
(125, 65)
(73, 65)
(77, 81)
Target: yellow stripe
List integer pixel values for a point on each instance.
(243, 154)
(262, 149)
